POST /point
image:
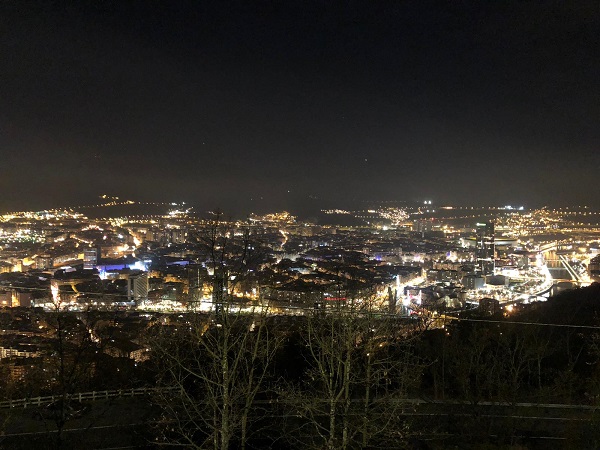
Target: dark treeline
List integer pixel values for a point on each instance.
(348, 377)
(352, 378)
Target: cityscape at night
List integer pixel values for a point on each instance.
(299, 225)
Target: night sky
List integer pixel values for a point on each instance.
(266, 105)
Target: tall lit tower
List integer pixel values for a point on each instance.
(485, 249)
(90, 258)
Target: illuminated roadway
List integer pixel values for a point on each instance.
(569, 268)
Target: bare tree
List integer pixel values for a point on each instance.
(356, 378)
(69, 366)
(218, 361)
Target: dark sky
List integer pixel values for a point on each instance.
(222, 103)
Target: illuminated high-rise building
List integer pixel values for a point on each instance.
(90, 258)
(137, 286)
(484, 247)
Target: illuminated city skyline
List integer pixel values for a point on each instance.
(299, 225)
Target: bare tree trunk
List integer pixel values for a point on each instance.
(366, 402)
(226, 407)
(222, 358)
(346, 393)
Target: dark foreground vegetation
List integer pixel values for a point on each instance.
(347, 378)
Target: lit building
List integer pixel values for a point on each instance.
(484, 247)
(137, 286)
(422, 225)
(43, 261)
(90, 258)
(473, 282)
(137, 283)
(594, 269)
